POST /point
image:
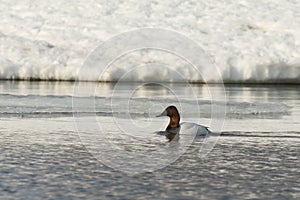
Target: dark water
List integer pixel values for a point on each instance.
(257, 157)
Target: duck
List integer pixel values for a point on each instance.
(174, 126)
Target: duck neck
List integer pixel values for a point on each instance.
(174, 122)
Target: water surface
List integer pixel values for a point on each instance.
(42, 156)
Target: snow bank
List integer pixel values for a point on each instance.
(249, 41)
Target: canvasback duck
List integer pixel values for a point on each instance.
(173, 128)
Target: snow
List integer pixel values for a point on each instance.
(248, 40)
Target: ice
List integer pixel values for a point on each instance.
(249, 41)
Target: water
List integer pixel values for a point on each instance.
(42, 155)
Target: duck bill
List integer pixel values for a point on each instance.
(162, 114)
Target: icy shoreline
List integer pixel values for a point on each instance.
(249, 41)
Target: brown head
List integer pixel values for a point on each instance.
(171, 112)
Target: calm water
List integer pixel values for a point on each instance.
(43, 156)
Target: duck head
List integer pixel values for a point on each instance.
(173, 113)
